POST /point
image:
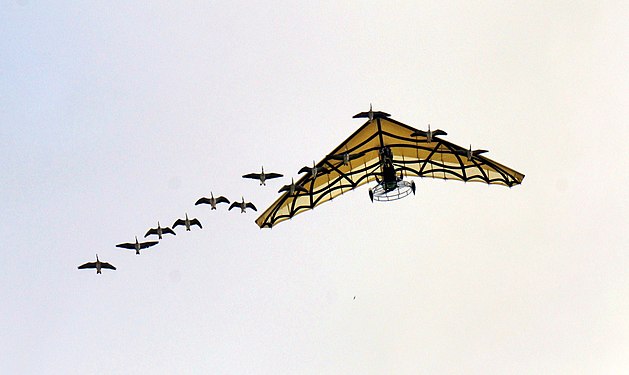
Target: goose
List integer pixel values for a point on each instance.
(371, 114)
(262, 176)
(469, 154)
(243, 206)
(98, 265)
(212, 201)
(292, 188)
(428, 134)
(346, 157)
(137, 246)
(159, 231)
(314, 170)
(187, 222)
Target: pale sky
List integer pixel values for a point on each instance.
(114, 115)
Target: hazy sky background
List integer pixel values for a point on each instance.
(114, 115)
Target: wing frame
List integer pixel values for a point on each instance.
(412, 156)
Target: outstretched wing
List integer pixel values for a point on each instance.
(222, 199)
(107, 265)
(203, 201)
(179, 222)
(343, 156)
(151, 231)
(376, 114)
(301, 188)
(168, 230)
(412, 155)
(144, 245)
(250, 205)
(196, 222)
(126, 245)
(255, 176)
(273, 175)
(87, 265)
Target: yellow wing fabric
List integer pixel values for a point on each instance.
(414, 156)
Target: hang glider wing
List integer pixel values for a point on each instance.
(413, 155)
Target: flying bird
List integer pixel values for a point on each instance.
(293, 188)
(98, 265)
(314, 170)
(187, 222)
(262, 176)
(159, 231)
(137, 246)
(428, 134)
(469, 154)
(346, 157)
(212, 201)
(243, 206)
(371, 114)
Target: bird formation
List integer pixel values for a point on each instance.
(186, 222)
(291, 189)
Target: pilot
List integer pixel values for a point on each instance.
(386, 154)
(388, 174)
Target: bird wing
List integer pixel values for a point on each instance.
(422, 133)
(458, 150)
(126, 245)
(356, 155)
(305, 170)
(168, 230)
(87, 265)
(412, 155)
(342, 156)
(273, 175)
(179, 222)
(196, 222)
(222, 199)
(250, 205)
(144, 245)
(107, 265)
(376, 114)
(203, 201)
(255, 176)
(284, 188)
(151, 231)
(235, 204)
